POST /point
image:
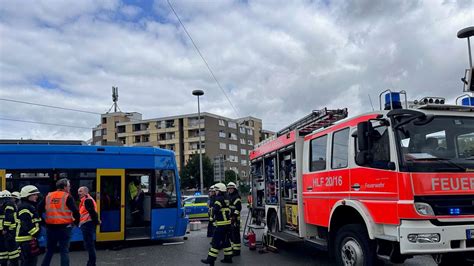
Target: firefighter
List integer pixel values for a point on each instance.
(16, 197)
(220, 239)
(3, 249)
(210, 226)
(235, 209)
(60, 215)
(28, 227)
(9, 210)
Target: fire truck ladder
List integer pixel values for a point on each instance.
(315, 120)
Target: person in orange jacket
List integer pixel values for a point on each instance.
(60, 215)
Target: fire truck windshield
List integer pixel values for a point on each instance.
(442, 144)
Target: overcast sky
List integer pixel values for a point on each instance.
(276, 60)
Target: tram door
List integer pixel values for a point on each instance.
(111, 204)
(3, 179)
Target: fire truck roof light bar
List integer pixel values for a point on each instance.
(315, 120)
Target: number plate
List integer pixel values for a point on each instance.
(470, 233)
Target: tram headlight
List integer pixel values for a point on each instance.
(424, 209)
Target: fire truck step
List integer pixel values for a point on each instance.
(286, 237)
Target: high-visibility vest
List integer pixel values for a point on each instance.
(57, 211)
(85, 216)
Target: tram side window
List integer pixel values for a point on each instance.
(78, 179)
(165, 189)
(318, 153)
(340, 145)
(18, 179)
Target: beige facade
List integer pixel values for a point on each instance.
(227, 142)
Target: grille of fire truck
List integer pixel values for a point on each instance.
(315, 120)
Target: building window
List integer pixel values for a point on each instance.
(233, 158)
(242, 141)
(223, 146)
(137, 139)
(221, 123)
(104, 131)
(104, 120)
(232, 136)
(249, 142)
(232, 124)
(97, 133)
(160, 124)
(146, 138)
(169, 123)
(318, 153)
(250, 132)
(232, 147)
(171, 147)
(243, 151)
(194, 121)
(242, 130)
(221, 134)
(243, 162)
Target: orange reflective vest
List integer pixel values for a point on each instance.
(85, 216)
(57, 211)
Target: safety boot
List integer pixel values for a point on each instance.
(227, 259)
(208, 261)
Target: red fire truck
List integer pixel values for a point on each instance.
(388, 184)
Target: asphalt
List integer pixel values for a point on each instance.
(191, 251)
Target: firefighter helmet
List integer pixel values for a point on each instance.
(28, 190)
(220, 187)
(231, 185)
(6, 194)
(16, 194)
(212, 188)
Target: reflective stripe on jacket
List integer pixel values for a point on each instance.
(85, 216)
(57, 211)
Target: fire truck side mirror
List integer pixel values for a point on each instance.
(363, 133)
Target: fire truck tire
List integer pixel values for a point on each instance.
(353, 246)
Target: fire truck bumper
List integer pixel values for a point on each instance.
(423, 237)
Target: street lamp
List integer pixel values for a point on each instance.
(200, 93)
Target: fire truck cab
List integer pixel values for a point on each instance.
(388, 184)
(392, 183)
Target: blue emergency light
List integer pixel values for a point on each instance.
(197, 193)
(468, 101)
(454, 211)
(392, 101)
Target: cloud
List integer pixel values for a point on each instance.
(275, 60)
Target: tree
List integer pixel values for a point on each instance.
(190, 172)
(230, 176)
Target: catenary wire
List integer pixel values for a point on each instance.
(43, 123)
(203, 59)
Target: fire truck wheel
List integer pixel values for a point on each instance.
(353, 247)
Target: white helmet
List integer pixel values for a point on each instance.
(220, 187)
(28, 190)
(212, 188)
(6, 194)
(231, 185)
(16, 194)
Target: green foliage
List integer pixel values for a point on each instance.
(190, 172)
(230, 176)
(244, 189)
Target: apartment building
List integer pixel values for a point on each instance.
(227, 142)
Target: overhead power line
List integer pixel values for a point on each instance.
(50, 106)
(43, 123)
(203, 59)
